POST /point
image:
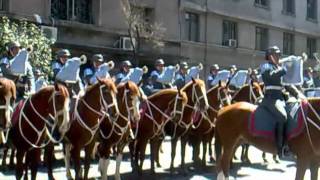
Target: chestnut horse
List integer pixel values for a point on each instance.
(305, 145)
(197, 101)
(158, 109)
(203, 130)
(116, 132)
(98, 101)
(43, 115)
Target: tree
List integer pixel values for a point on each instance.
(139, 28)
(28, 35)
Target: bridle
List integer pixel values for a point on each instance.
(47, 122)
(104, 106)
(195, 96)
(8, 112)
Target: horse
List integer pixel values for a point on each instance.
(43, 115)
(116, 132)
(305, 144)
(251, 93)
(156, 111)
(203, 129)
(98, 101)
(7, 99)
(197, 101)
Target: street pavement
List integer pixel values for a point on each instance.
(255, 171)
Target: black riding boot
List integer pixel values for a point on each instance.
(279, 138)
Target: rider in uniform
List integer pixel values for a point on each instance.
(214, 69)
(274, 100)
(57, 65)
(124, 71)
(155, 75)
(25, 82)
(97, 60)
(180, 79)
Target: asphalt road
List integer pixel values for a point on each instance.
(256, 170)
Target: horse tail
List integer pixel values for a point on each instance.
(217, 145)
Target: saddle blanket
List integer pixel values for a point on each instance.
(16, 113)
(262, 123)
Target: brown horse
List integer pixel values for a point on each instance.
(197, 101)
(157, 110)
(44, 114)
(231, 128)
(203, 129)
(7, 99)
(98, 101)
(116, 132)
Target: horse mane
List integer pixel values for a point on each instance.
(7, 85)
(132, 86)
(254, 84)
(197, 81)
(105, 81)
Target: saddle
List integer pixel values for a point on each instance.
(262, 123)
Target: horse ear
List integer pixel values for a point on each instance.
(219, 83)
(194, 81)
(251, 82)
(127, 85)
(99, 80)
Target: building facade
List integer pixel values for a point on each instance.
(209, 31)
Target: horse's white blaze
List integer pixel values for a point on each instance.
(67, 160)
(136, 108)
(118, 162)
(8, 111)
(103, 168)
(220, 176)
(65, 123)
(114, 99)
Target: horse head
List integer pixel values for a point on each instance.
(107, 93)
(220, 93)
(178, 104)
(197, 95)
(129, 95)
(7, 98)
(59, 110)
(256, 94)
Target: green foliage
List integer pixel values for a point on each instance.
(28, 35)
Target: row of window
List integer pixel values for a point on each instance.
(230, 33)
(288, 7)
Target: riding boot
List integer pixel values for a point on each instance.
(279, 138)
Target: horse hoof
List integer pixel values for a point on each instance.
(212, 160)
(276, 161)
(265, 161)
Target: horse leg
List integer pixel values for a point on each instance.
(302, 165)
(4, 157)
(183, 152)
(204, 152)
(48, 156)
(118, 160)
(88, 156)
(314, 170)
(246, 154)
(12, 155)
(153, 151)
(158, 150)
(264, 157)
(67, 157)
(19, 165)
(34, 158)
(104, 153)
(75, 154)
(224, 163)
(274, 157)
(143, 146)
(173, 153)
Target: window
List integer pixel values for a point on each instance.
(3, 5)
(229, 32)
(289, 7)
(288, 43)
(312, 9)
(73, 10)
(311, 46)
(262, 38)
(263, 3)
(192, 26)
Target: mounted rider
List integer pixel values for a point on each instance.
(40, 80)
(24, 82)
(180, 79)
(214, 69)
(124, 71)
(88, 73)
(156, 76)
(274, 100)
(57, 65)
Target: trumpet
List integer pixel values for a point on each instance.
(83, 59)
(145, 69)
(110, 64)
